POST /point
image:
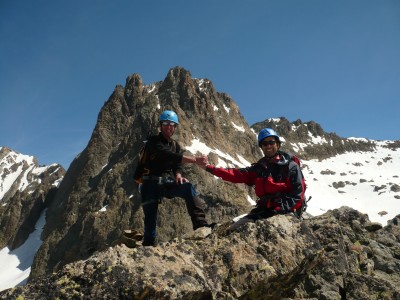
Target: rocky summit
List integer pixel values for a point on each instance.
(338, 255)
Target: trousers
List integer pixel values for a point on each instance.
(152, 192)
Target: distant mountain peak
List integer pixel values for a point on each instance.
(24, 191)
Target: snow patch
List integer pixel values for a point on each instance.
(238, 128)
(16, 264)
(226, 108)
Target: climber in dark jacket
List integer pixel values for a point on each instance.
(277, 178)
(163, 178)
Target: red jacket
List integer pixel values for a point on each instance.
(279, 185)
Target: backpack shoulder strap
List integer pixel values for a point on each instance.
(173, 146)
(290, 157)
(295, 159)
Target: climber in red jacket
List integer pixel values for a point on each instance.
(277, 178)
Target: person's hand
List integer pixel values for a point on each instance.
(202, 161)
(180, 179)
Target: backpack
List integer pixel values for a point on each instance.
(143, 158)
(141, 170)
(301, 206)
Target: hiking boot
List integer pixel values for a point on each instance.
(130, 243)
(133, 234)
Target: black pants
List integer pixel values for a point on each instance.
(151, 192)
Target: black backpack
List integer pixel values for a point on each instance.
(140, 168)
(143, 159)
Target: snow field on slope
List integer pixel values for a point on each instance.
(352, 168)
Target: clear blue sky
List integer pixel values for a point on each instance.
(333, 62)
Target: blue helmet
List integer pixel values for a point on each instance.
(169, 115)
(266, 132)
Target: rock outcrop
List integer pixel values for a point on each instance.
(338, 255)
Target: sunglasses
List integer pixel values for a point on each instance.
(168, 123)
(265, 143)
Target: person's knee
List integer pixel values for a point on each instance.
(192, 190)
(188, 189)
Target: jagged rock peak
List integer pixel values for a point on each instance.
(4, 149)
(176, 76)
(133, 86)
(10, 156)
(21, 172)
(25, 190)
(134, 80)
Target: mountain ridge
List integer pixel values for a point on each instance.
(97, 198)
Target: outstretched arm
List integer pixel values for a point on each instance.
(201, 161)
(235, 175)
